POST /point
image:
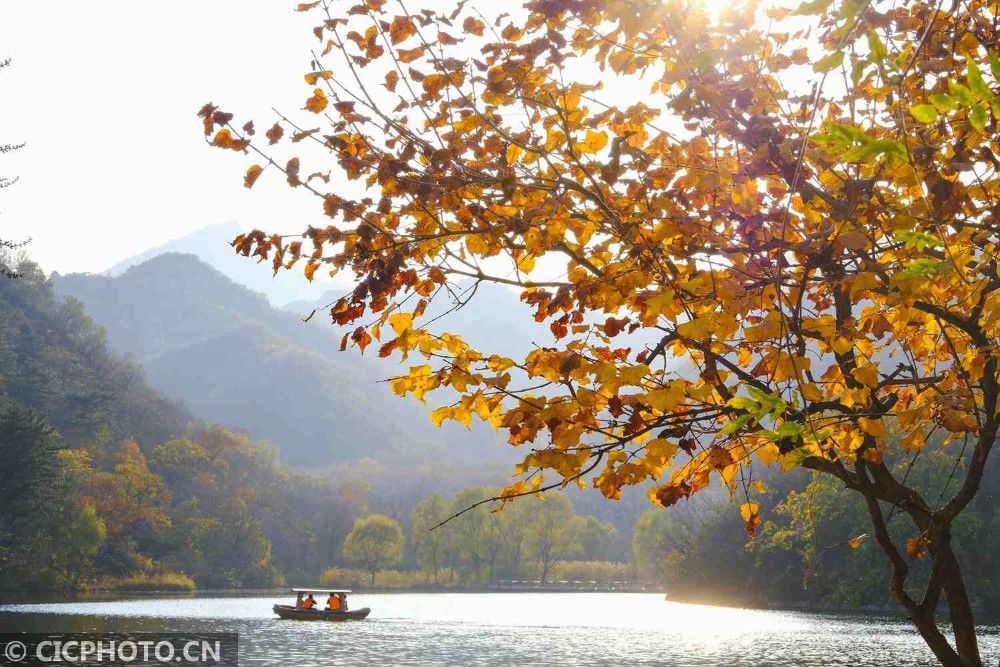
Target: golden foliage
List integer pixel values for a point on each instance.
(823, 259)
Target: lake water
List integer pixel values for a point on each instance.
(509, 629)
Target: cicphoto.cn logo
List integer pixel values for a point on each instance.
(213, 649)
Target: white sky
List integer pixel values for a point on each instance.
(105, 95)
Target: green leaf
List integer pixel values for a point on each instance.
(846, 131)
(872, 149)
(849, 9)
(858, 70)
(943, 103)
(735, 425)
(995, 65)
(975, 80)
(876, 47)
(742, 403)
(925, 113)
(813, 7)
(919, 268)
(829, 62)
(962, 94)
(863, 153)
(918, 240)
(789, 430)
(977, 118)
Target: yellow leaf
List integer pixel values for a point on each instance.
(768, 454)
(313, 77)
(665, 399)
(439, 415)
(866, 375)
(594, 142)
(317, 102)
(513, 152)
(855, 542)
(748, 510)
(872, 427)
(462, 415)
(661, 449)
(699, 329)
(913, 442)
(811, 392)
(790, 367)
(842, 345)
(400, 322)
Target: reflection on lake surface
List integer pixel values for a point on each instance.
(509, 629)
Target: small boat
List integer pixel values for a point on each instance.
(297, 612)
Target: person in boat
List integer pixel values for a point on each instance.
(309, 602)
(334, 603)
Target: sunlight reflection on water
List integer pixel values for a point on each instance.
(511, 628)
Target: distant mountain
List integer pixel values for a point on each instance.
(231, 358)
(54, 359)
(494, 321)
(211, 244)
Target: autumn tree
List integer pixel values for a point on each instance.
(758, 237)
(375, 543)
(552, 536)
(473, 532)
(430, 545)
(595, 538)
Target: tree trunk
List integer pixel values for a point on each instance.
(373, 577)
(947, 576)
(960, 609)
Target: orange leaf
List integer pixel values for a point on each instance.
(362, 338)
(855, 542)
(409, 55)
(915, 548)
(312, 77)
(274, 134)
(473, 26)
(317, 102)
(252, 173)
(401, 29)
(391, 79)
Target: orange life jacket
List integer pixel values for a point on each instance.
(308, 603)
(333, 602)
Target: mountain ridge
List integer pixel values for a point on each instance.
(212, 244)
(232, 358)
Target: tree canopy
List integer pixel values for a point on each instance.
(757, 236)
(376, 542)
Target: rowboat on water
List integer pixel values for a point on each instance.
(336, 608)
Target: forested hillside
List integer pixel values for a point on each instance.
(233, 359)
(106, 482)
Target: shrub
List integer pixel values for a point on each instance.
(169, 581)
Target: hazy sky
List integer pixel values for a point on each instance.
(105, 95)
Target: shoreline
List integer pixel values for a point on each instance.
(48, 597)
